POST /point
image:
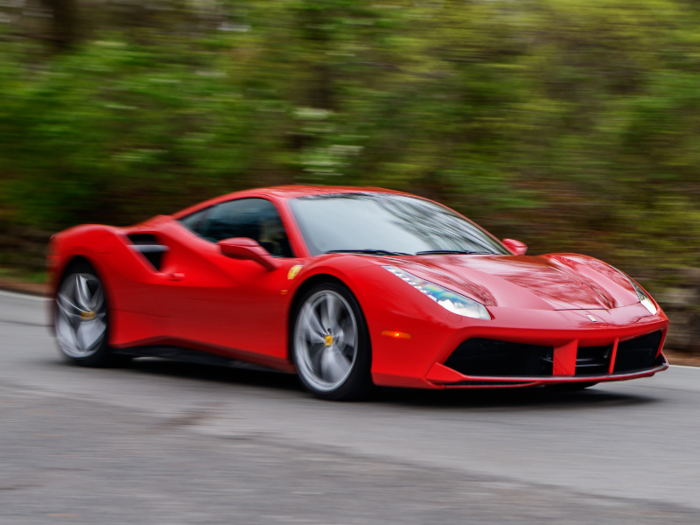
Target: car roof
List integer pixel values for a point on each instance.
(293, 191)
(284, 193)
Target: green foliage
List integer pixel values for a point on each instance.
(571, 124)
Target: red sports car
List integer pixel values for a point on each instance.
(349, 287)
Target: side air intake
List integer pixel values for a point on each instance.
(147, 245)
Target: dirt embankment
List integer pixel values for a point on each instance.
(24, 287)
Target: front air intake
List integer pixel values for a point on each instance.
(637, 354)
(492, 358)
(593, 360)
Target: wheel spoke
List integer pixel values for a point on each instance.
(315, 355)
(323, 310)
(67, 296)
(82, 293)
(332, 312)
(66, 334)
(347, 334)
(314, 331)
(64, 306)
(314, 338)
(334, 365)
(97, 300)
(89, 334)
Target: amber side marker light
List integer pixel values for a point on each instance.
(397, 335)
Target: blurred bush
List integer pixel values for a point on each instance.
(570, 124)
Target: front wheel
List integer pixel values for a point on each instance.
(330, 343)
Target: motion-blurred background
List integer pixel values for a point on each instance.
(571, 125)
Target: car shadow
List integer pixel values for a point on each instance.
(534, 397)
(243, 375)
(506, 398)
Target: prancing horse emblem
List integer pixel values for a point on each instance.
(592, 318)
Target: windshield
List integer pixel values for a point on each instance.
(386, 224)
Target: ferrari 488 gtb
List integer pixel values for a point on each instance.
(348, 288)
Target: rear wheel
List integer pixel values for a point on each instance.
(82, 318)
(330, 343)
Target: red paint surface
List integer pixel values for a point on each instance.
(565, 359)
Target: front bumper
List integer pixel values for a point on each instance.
(439, 371)
(418, 362)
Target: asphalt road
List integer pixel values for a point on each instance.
(165, 442)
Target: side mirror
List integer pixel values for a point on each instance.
(515, 247)
(249, 250)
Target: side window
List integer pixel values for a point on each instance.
(253, 218)
(194, 222)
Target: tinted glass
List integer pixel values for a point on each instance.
(194, 221)
(253, 218)
(394, 223)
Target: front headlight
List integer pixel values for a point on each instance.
(641, 294)
(643, 297)
(449, 300)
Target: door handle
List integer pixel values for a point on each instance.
(176, 276)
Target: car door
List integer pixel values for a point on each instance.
(226, 305)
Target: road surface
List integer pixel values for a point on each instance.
(162, 442)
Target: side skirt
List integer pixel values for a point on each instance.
(188, 355)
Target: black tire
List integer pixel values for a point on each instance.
(570, 387)
(358, 383)
(100, 355)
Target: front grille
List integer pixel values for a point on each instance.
(488, 357)
(593, 360)
(637, 354)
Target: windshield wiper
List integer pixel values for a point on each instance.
(450, 252)
(369, 252)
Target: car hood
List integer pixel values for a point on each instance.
(548, 282)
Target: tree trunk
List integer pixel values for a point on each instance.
(64, 22)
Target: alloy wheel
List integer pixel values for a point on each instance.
(81, 323)
(326, 341)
